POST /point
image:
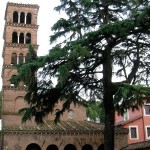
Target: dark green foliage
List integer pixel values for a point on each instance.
(102, 39)
(130, 96)
(95, 111)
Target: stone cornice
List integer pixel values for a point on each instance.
(22, 25)
(47, 132)
(18, 45)
(23, 5)
(62, 128)
(21, 88)
(9, 66)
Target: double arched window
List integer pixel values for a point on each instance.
(21, 17)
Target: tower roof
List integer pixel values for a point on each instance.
(21, 5)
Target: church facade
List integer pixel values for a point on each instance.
(73, 132)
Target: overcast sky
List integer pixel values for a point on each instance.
(46, 18)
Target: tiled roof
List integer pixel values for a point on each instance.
(64, 127)
(128, 121)
(138, 146)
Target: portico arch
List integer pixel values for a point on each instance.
(87, 147)
(33, 146)
(52, 147)
(101, 147)
(70, 147)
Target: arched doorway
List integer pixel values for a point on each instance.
(87, 147)
(70, 147)
(101, 147)
(33, 146)
(52, 147)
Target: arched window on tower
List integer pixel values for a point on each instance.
(22, 17)
(15, 16)
(28, 38)
(21, 38)
(13, 58)
(29, 18)
(12, 82)
(27, 57)
(20, 58)
(14, 37)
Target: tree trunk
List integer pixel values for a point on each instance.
(108, 101)
(109, 122)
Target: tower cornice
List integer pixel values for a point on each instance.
(22, 25)
(19, 45)
(23, 5)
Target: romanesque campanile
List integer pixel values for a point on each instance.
(19, 31)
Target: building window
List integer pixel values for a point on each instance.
(126, 116)
(147, 132)
(147, 110)
(15, 16)
(133, 132)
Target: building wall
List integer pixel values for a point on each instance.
(137, 119)
(18, 142)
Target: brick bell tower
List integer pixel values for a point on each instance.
(19, 31)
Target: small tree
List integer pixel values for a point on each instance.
(102, 39)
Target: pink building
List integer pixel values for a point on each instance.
(138, 123)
